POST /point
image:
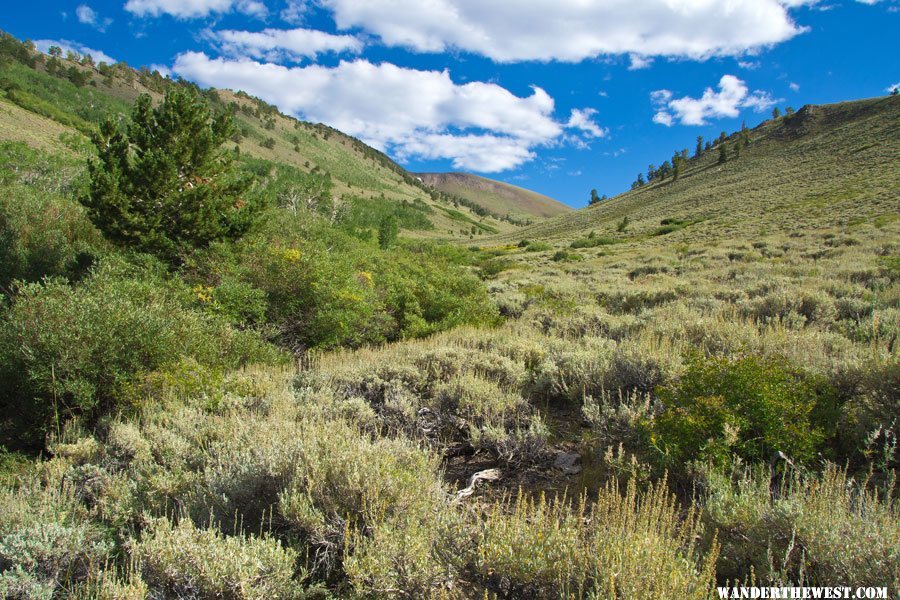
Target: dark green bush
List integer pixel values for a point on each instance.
(566, 256)
(748, 406)
(494, 266)
(42, 234)
(72, 351)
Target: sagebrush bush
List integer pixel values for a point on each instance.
(630, 545)
(794, 529)
(47, 540)
(184, 561)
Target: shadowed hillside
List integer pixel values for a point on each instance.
(495, 196)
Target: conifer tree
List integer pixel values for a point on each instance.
(162, 185)
(723, 154)
(699, 149)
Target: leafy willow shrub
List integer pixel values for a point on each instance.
(566, 256)
(184, 561)
(593, 242)
(811, 529)
(631, 545)
(73, 350)
(747, 406)
(324, 289)
(537, 246)
(43, 235)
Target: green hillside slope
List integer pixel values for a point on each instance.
(495, 196)
(824, 165)
(63, 97)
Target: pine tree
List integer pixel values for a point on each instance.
(664, 170)
(737, 150)
(162, 185)
(699, 149)
(676, 168)
(639, 182)
(723, 154)
(776, 114)
(595, 198)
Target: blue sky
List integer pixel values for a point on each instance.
(559, 96)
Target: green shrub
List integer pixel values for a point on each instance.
(670, 226)
(42, 235)
(593, 242)
(183, 561)
(325, 289)
(566, 256)
(748, 406)
(538, 247)
(73, 350)
(494, 266)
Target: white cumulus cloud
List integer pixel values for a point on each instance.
(192, 9)
(572, 30)
(283, 44)
(70, 46)
(583, 120)
(411, 113)
(88, 16)
(731, 96)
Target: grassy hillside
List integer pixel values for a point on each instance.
(50, 101)
(822, 166)
(495, 196)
